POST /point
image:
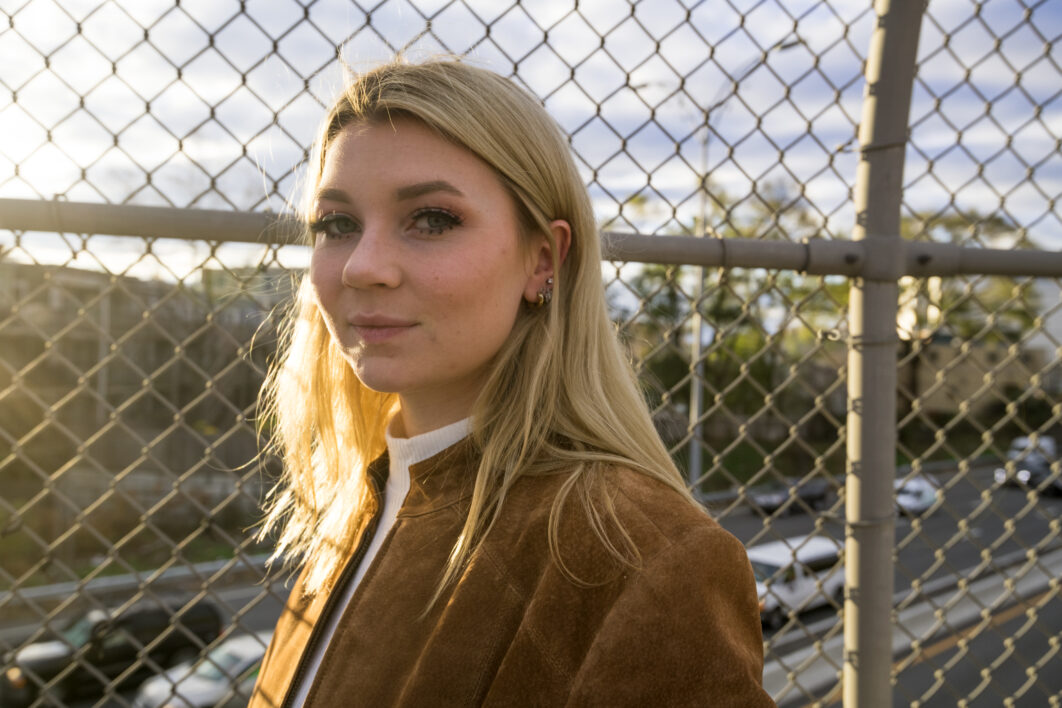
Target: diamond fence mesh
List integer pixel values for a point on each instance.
(129, 366)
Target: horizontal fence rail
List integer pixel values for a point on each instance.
(814, 256)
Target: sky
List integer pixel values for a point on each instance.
(207, 105)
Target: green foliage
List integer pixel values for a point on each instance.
(988, 308)
(764, 332)
(756, 324)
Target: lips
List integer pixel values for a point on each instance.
(379, 328)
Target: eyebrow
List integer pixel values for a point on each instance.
(415, 190)
(410, 191)
(331, 195)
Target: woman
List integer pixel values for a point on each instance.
(482, 509)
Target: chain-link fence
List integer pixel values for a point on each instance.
(142, 142)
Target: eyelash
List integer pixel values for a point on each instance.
(321, 226)
(324, 224)
(452, 219)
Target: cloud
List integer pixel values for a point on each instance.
(215, 104)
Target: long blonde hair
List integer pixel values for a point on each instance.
(561, 396)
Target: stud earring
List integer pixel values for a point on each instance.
(545, 295)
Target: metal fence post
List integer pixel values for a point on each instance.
(872, 356)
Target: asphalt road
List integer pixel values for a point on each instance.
(985, 660)
(1008, 655)
(976, 523)
(993, 659)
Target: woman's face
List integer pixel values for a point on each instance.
(418, 265)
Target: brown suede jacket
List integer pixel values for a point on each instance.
(683, 629)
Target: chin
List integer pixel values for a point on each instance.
(377, 384)
(378, 381)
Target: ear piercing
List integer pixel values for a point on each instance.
(545, 295)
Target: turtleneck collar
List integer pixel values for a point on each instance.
(405, 452)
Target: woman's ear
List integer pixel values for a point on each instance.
(562, 236)
(542, 274)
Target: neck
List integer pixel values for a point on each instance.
(417, 416)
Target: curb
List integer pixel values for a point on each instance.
(38, 601)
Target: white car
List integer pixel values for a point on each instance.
(1030, 464)
(206, 682)
(797, 574)
(915, 495)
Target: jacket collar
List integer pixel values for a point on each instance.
(442, 480)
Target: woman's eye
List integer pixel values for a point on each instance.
(334, 226)
(435, 221)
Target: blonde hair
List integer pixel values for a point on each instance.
(561, 396)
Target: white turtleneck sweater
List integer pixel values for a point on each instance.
(402, 454)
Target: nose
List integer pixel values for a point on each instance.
(373, 261)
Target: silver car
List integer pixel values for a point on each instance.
(207, 681)
(915, 495)
(1030, 465)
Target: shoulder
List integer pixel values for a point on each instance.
(657, 511)
(615, 509)
(678, 541)
(658, 518)
(688, 609)
(685, 605)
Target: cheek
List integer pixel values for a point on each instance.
(316, 270)
(325, 283)
(492, 301)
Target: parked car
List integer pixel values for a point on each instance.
(210, 680)
(100, 646)
(1028, 465)
(813, 492)
(241, 692)
(797, 574)
(915, 495)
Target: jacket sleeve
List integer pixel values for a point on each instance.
(685, 631)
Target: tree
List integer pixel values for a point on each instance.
(763, 348)
(749, 338)
(996, 309)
